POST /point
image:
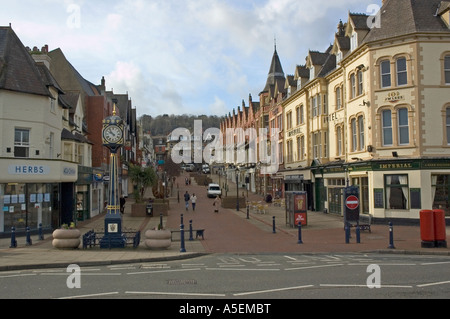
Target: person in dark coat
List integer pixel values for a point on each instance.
(122, 204)
(186, 199)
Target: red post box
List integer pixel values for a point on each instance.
(440, 235)
(427, 232)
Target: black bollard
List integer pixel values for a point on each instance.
(13, 238)
(300, 233)
(29, 243)
(273, 225)
(191, 238)
(161, 220)
(248, 210)
(391, 236)
(182, 219)
(182, 249)
(41, 234)
(358, 233)
(347, 233)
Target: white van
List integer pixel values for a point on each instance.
(214, 190)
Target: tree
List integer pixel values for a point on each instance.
(142, 179)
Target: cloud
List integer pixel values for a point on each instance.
(190, 56)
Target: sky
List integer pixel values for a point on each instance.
(199, 57)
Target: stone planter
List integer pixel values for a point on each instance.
(66, 238)
(158, 239)
(138, 210)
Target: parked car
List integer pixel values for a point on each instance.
(190, 167)
(214, 190)
(205, 169)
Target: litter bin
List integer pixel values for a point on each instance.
(440, 235)
(427, 228)
(149, 210)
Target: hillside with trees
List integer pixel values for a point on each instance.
(165, 124)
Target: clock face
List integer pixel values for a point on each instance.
(113, 134)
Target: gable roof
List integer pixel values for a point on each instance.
(68, 76)
(401, 17)
(18, 70)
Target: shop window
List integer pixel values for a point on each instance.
(397, 191)
(440, 192)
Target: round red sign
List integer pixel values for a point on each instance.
(352, 202)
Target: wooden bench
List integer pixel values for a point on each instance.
(198, 233)
(365, 220)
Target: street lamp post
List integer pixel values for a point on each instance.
(237, 189)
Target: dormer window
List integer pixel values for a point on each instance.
(338, 57)
(353, 41)
(299, 83)
(312, 73)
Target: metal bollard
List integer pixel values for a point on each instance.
(29, 243)
(182, 249)
(358, 234)
(41, 234)
(161, 220)
(181, 219)
(347, 233)
(248, 210)
(391, 236)
(273, 225)
(13, 238)
(300, 233)
(191, 238)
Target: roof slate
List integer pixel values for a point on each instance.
(18, 70)
(401, 17)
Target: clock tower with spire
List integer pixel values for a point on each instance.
(112, 135)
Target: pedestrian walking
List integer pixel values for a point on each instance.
(122, 204)
(193, 201)
(186, 199)
(216, 203)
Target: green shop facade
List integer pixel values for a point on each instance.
(393, 189)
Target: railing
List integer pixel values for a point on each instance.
(92, 238)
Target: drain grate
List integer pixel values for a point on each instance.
(178, 282)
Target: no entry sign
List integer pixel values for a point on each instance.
(352, 202)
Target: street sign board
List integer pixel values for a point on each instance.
(352, 202)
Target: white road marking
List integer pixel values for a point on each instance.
(271, 290)
(311, 267)
(434, 284)
(173, 293)
(91, 295)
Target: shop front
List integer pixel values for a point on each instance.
(83, 190)
(401, 188)
(32, 193)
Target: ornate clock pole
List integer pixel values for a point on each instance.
(112, 135)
